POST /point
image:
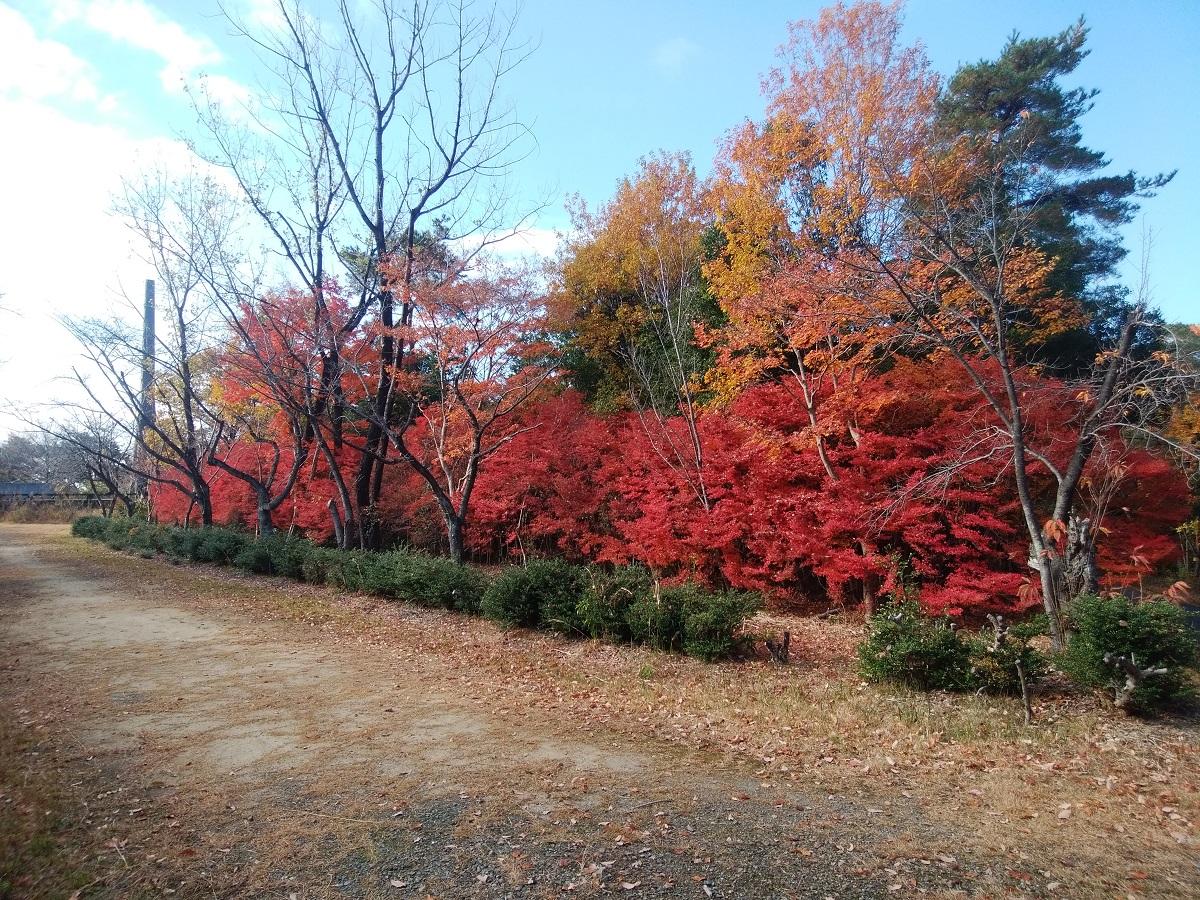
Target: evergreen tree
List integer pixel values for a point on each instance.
(1018, 103)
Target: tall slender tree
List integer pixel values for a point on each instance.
(1018, 108)
(402, 104)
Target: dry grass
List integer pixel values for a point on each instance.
(43, 514)
(1085, 802)
(36, 835)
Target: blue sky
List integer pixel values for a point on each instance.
(614, 80)
(90, 89)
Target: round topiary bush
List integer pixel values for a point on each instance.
(1150, 635)
(544, 592)
(905, 647)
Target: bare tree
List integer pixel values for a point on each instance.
(174, 445)
(393, 115)
(91, 452)
(103, 456)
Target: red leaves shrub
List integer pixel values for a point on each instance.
(589, 487)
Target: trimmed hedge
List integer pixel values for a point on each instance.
(275, 554)
(904, 646)
(424, 580)
(1154, 634)
(544, 593)
(618, 604)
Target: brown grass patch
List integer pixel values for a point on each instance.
(1085, 802)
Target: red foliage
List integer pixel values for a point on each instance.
(594, 488)
(1139, 529)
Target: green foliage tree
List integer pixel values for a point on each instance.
(1018, 104)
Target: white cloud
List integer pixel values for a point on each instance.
(538, 242)
(34, 67)
(263, 13)
(530, 244)
(142, 25)
(232, 95)
(61, 250)
(672, 55)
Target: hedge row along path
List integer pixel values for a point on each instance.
(194, 731)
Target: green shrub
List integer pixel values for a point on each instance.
(217, 545)
(1154, 633)
(543, 592)
(123, 533)
(183, 543)
(357, 570)
(712, 620)
(906, 647)
(94, 527)
(268, 556)
(452, 585)
(287, 553)
(365, 572)
(107, 529)
(995, 669)
(614, 604)
(656, 618)
(434, 581)
(147, 539)
(609, 593)
(254, 558)
(691, 618)
(317, 563)
(119, 533)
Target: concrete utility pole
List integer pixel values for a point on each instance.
(147, 407)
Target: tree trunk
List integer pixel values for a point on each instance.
(363, 480)
(870, 584)
(455, 526)
(339, 532)
(1079, 572)
(1050, 600)
(1067, 575)
(869, 598)
(265, 527)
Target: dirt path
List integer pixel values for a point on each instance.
(198, 751)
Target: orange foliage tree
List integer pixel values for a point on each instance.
(631, 293)
(924, 252)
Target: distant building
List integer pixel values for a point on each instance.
(19, 489)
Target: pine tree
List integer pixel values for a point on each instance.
(1018, 103)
